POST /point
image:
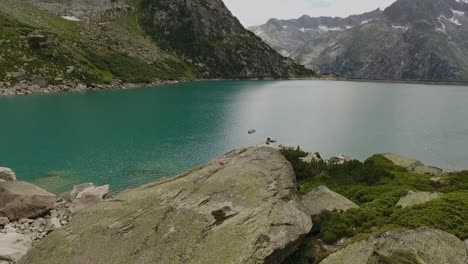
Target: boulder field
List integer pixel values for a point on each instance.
(29, 213)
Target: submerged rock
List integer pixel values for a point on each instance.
(24, 200)
(415, 198)
(7, 174)
(240, 208)
(412, 165)
(422, 245)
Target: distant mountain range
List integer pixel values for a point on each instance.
(411, 39)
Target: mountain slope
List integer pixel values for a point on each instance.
(207, 32)
(288, 35)
(411, 39)
(66, 43)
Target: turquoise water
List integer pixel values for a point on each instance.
(130, 137)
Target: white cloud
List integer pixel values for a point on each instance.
(255, 12)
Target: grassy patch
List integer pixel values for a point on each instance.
(376, 185)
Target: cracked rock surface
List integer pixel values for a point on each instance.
(423, 245)
(240, 208)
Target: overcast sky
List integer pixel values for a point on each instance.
(256, 12)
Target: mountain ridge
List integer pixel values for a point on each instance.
(409, 40)
(58, 45)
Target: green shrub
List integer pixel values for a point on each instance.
(376, 185)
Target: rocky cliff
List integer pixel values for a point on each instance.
(214, 39)
(75, 45)
(421, 39)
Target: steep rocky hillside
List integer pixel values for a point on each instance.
(411, 39)
(60, 45)
(214, 39)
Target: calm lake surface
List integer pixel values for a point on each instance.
(130, 137)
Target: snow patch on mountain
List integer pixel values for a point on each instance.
(454, 20)
(400, 27)
(71, 18)
(458, 13)
(326, 29)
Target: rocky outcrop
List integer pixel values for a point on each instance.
(76, 10)
(240, 208)
(7, 174)
(412, 165)
(415, 198)
(86, 195)
(24, 200)
(215, 40)
(14, 246)
(323, 199)
(423, 245)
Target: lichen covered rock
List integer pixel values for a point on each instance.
(24, 200)
(415, 198)
(323, 199)
(422, 245)
(240, 208)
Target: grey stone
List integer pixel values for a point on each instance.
(323, 199)
(415, 198)
(243, 210)
(89, 196)
(412, 165)
(4, 221)
(24, 200)
(14, 246)
(7, 174)
(425, 245)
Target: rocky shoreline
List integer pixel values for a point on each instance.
(28, 89)
(29, 214)
(243, 207)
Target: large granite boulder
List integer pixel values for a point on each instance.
(415, 198)
(14, 246)
(240, 208)
(24, 200)
(422, 245)
(412, 165)
(7, 174)
(323, 199)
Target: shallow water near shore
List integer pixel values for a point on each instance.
(131, 137)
